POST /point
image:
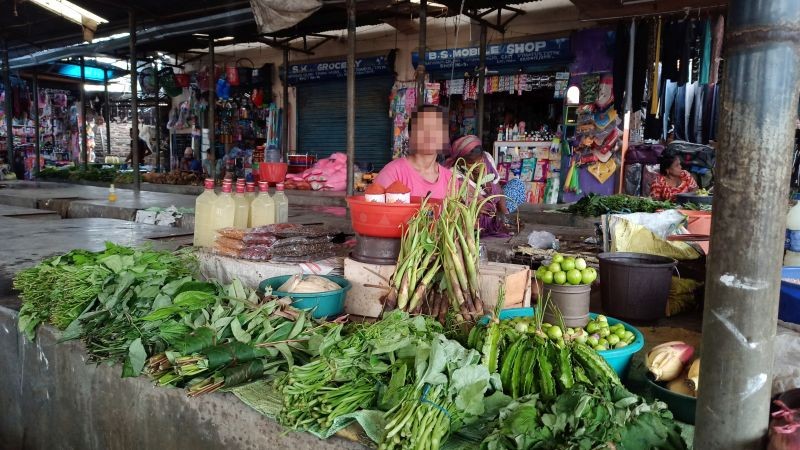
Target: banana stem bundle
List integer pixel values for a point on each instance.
(437, 269)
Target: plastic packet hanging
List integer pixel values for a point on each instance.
(633, 179)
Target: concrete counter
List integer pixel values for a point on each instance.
(53, 399)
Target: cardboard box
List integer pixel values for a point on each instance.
(363, 299)
(517, 280)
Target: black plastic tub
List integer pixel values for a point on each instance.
(635, 286)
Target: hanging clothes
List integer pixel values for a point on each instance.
(716, 51)
(673, 40)
(621, 63)
(679, 122)
(670, 94)
(708, 103)
(688, 113)
(640, 65)
(655, 84)
(697, 113)
(705, 62)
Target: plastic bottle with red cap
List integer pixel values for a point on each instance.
(204, 216)
(224, 208)
(242, 215)
(262, 210)
(281, 205)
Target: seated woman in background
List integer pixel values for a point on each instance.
(420, 171)
(672, 180)
(494, 215)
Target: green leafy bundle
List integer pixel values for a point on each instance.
(59, 289)
(594, 205)
(236, 339)
(532, 361)
(354, 368)
(447, 393)
(585, 418)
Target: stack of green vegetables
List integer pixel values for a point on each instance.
(585, 417)
(128, 304)
(437, 269)
(353, 360)
(538, 360)
(515, 386)
(594, 205)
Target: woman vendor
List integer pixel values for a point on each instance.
(420, 171)
(494, 214)
(672, 180)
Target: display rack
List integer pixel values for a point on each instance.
(535, 163)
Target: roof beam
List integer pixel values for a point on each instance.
(499, 24)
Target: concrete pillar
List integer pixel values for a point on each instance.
(83, 122)
(423, 51)
(351, 93)
(758, 113)
(134, 103)
(36, 123)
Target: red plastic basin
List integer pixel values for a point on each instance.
(272, 172)
(385, 220)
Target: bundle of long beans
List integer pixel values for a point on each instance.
(437, 268)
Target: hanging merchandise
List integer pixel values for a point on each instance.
(202, 79)
(232, 74)
(147, 80)
(432, 93)
(603, 170)
(223, 88)
(183, 80)
(166, 79)
(589, 88)
(244, 73)
(402, 103)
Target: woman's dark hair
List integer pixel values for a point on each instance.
(666, 160)
(423, 109)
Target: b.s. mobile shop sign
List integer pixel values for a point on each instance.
(332, 70)
(520, 53)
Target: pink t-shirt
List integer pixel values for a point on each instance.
(400, 169)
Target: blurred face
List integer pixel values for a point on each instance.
(429, 133)
(675, 168)
(188, 153)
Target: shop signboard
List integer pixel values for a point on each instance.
(511, 53)
(333, 70)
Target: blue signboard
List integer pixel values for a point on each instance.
(332, 70)
(519, 53)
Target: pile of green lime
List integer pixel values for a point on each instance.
(599, 335)
(566, 271)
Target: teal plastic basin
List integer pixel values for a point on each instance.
(322, 305)
(619, 358)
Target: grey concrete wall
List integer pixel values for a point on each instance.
(52, 399)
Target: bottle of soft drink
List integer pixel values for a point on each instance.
(281, 205)
(792, 257)
(224, 208)
(204, 216)
(242, 214)
(262, 210)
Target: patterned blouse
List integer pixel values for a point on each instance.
(662, 189)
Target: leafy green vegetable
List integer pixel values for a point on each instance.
(585, 417)
(594, 205)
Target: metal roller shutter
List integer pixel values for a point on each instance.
(322, 119)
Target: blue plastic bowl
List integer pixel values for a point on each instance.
(789, 307)
(323, 304)
(619, 359)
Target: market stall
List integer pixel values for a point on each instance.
(449, 331)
